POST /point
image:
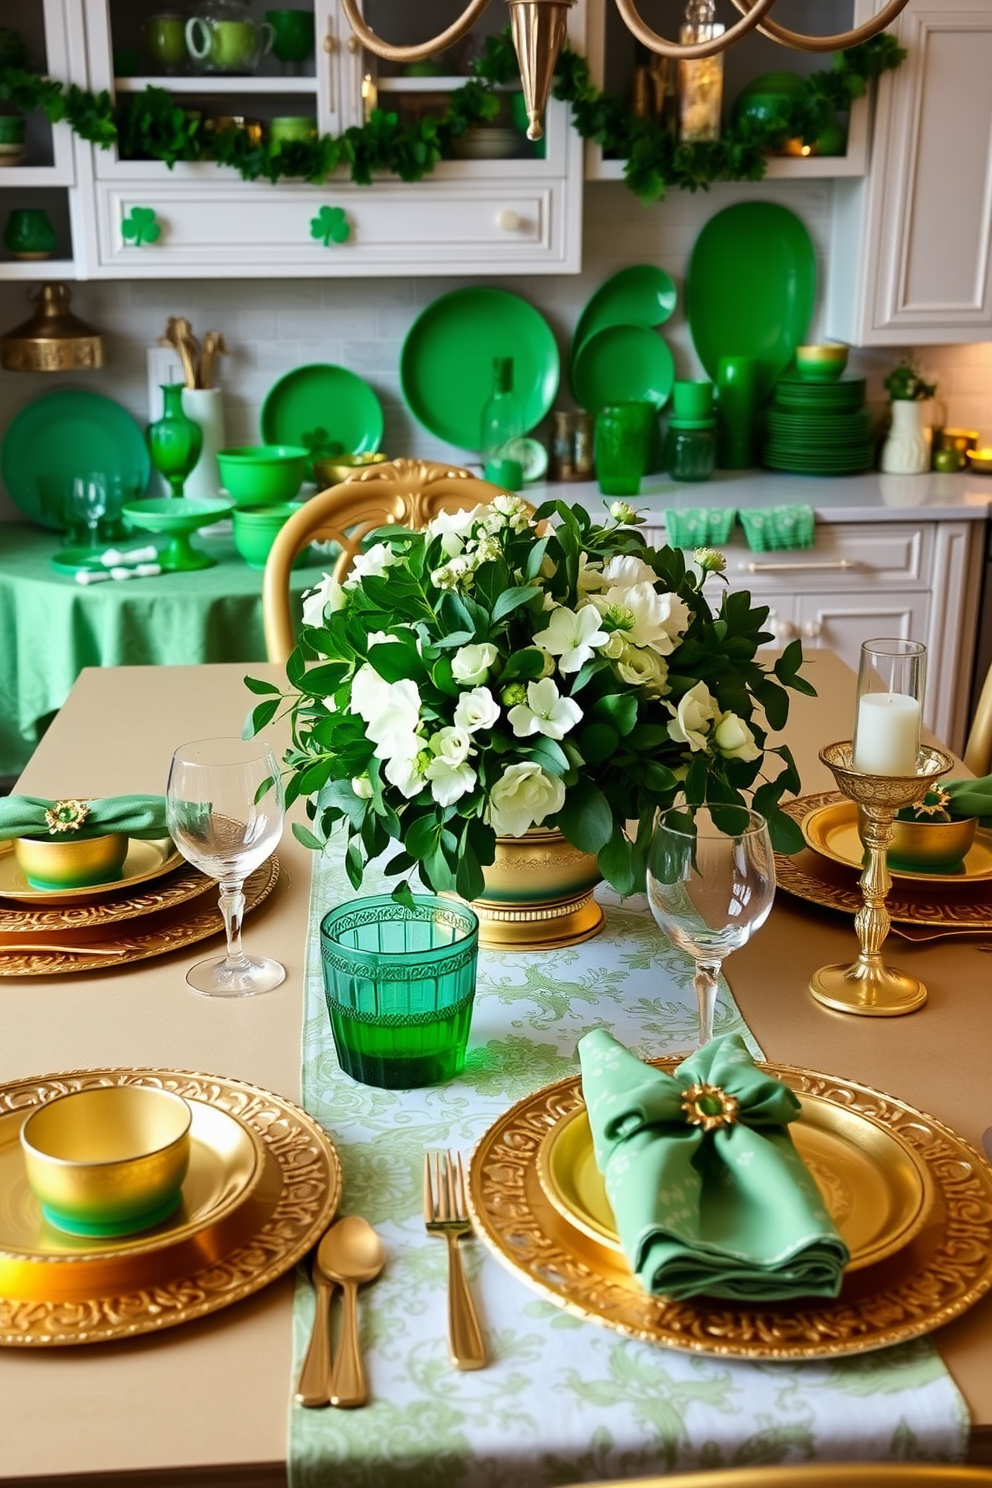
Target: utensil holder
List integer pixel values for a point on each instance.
(205, 406)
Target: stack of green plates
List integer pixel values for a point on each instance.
(819, 428)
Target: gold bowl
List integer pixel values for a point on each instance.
(822, 362)
(961, 440)
(331, 472)
(71, 862)
(930, 847)
(109, 1160)
(980, 459)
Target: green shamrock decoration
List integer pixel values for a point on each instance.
(140, 226)
(330, 226)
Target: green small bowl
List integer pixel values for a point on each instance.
(69, 862)
(261, 474)
(821, 363)
(256, 529)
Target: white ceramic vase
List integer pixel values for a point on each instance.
(906, 451)
(205, 407)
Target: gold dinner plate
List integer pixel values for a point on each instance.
(875, 1187)
(811, 876)
(146, 859)
(265, 1181)
(933, 1277)
(151, 935)
(167, 891)
(833, 831)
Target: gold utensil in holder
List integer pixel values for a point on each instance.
(52, 339)
(869, 987)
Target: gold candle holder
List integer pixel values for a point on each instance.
(869, 987)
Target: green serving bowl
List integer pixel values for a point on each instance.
(178, 517)
(256, 528)
(260, 474)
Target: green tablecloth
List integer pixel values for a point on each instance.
(51, 627)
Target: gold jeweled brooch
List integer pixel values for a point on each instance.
(709, 1107)
(66, 816)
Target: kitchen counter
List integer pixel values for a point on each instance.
(873, 497)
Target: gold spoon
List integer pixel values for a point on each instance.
(314, 1387)
(353, 1255)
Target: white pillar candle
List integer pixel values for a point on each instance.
(888, 734)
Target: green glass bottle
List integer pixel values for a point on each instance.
(502, 427)
(174, 440)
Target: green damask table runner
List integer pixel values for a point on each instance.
(563, 1400)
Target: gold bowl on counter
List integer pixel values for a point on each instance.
(338, 468)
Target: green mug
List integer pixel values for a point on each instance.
(227, 46)
(11, 129)
(621, 444)
(292, 34)
(165, 42)
(292, 128)
(29, 234)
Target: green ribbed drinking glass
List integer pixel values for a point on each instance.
(400, 984)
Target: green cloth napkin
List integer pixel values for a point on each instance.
(730, 1213)
(699, 526)
(772, 528)
(138, 816)
(971, 798)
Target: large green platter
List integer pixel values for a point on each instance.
(622, 364)
(67, 433)
(321, 406)
(446, 366)
(641, 294)
(750, 288)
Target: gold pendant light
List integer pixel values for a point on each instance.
(52, 339)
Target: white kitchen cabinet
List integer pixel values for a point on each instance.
(494, 216)
(917, 580)
(612, 53)
(910, 260)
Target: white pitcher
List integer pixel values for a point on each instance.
(906, 451)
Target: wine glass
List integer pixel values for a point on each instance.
(89, 502)
(224, 805)
(711, 882)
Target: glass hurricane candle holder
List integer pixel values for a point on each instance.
(868, 986)
(891, 679)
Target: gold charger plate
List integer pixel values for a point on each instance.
(145, 1286)
(177, 886)
(145, 860)
(153, 935)
(933, 1278)
(876, 1190)
(808, 875)
(833, 831)
(227, 1160)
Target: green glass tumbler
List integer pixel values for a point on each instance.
(400, 984)
(737, 411)
(621, 444)
(174, 440)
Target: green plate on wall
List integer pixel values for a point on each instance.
(622, 364)
(639, 295)
(325, 408)
(446, 366)
(750, 288)
(64, 434)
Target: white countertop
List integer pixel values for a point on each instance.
(852, 498)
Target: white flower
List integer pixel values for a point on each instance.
(545, 712)
(476, 710)
(622, 511)
(523, 797)
(571, 635)
(626, 570)
(372, 564)
(641, 667)
(471, 665)
(451, 745)
(590, 574)
(378, 638)
(646, 617)
(406, 771)
(615, 646)
(504, 511)
(449, 774)
(453, 528)
(710, 560)
(369, 693)
(734, 739)
(362, 786)
(327, 593)
(391, 711)
(695, 712)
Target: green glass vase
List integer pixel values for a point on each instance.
(174, 440)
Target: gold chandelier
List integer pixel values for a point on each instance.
(539, 27)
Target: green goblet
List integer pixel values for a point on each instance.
(178, 518)
(174, 440)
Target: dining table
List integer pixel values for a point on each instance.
(51, 627)
(206, 1403)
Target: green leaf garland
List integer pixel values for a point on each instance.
(152, 125)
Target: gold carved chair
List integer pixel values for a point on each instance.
(407, 492)
(823, 1475)
(978, 750)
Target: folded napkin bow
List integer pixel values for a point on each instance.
(30, 816)
(730, 1211)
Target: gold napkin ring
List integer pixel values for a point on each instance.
(66, 816)
(709, 1107)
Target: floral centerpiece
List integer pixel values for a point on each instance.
(502, 671)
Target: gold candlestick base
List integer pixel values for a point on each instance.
(868, 987)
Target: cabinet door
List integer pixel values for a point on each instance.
(911, 249)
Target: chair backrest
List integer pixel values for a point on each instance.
(978, 750)
(823, 1475)
(406, 492)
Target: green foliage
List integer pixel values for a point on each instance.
(151, 125)
(905, 384)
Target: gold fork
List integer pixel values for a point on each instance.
(447, 1215)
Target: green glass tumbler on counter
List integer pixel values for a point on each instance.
(400, 985)
(621, 445)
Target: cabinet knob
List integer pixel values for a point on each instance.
(813, 629)
(330, 43)
(354, 44)
(782, 630)
(509, 220)
(140, 226)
